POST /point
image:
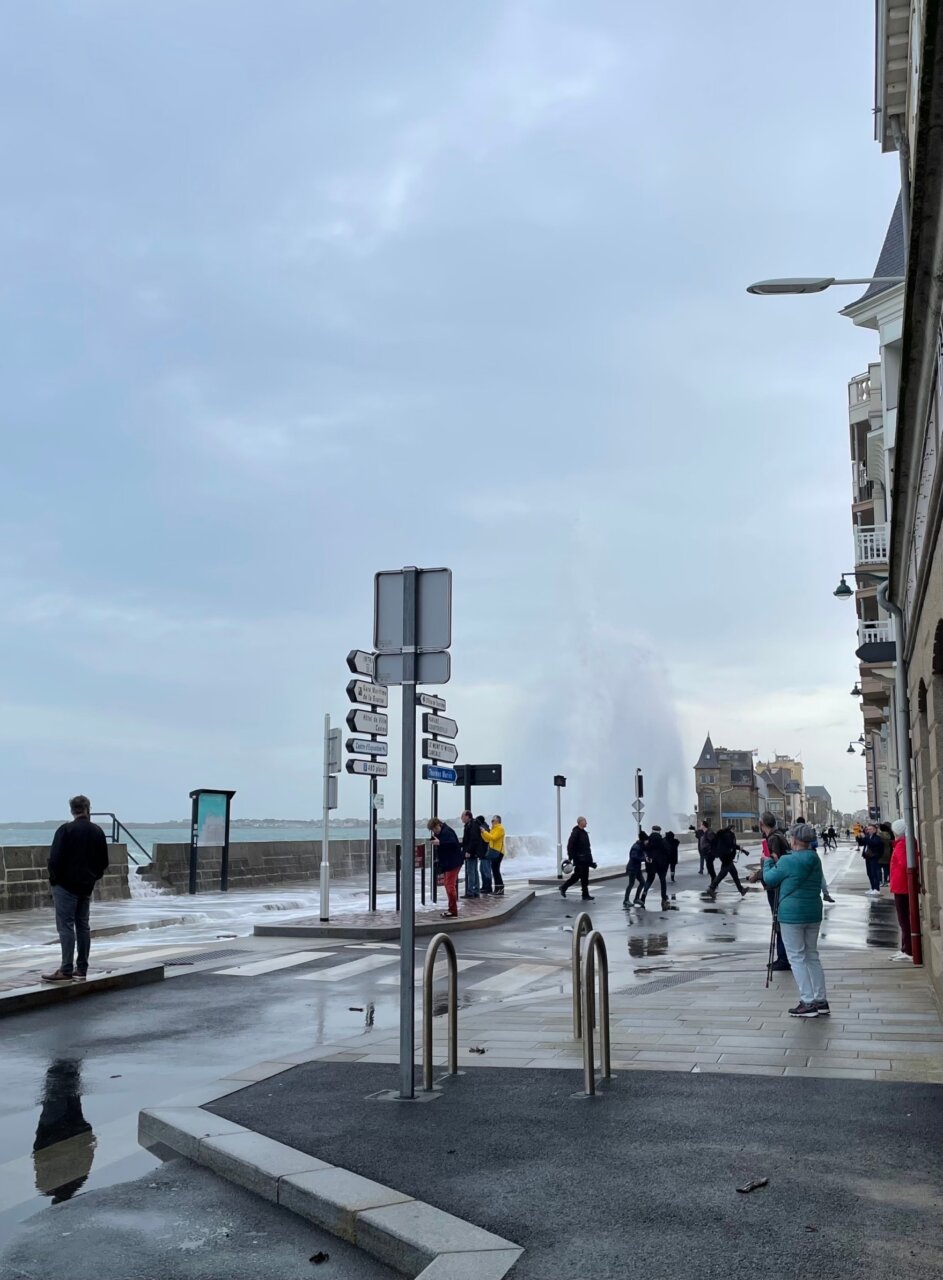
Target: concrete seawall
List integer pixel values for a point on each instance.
(260, 863)
(24, 882)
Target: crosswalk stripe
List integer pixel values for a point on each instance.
(351, 970)
(273, 963)
(513, 979)
(440, 969)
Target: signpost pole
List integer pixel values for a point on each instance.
(372, 857)
(407, 919)
(559, 837)
(325, 826)
(434, 814)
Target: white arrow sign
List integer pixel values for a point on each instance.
(444, 751)
(370, 768)
(368, 722)
(431, 700)
(374, 695)
(362, 663)
(364, 747)
(441, 726)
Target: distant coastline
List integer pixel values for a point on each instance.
(183, 824)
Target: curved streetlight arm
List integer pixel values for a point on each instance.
(813, 284)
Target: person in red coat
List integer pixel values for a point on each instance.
(900, 888)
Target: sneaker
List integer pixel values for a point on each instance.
(588, 897)
(823, 1010)
(665, 904)
(59, 978)
(448, 915)
(901, 955)
(79, 977)
(499, 893)
(804, 1011)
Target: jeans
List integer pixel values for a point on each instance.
(780, 949)
(802, 948)
(873, 868)
(75, 936)
(450, 881)
(902, 903)
(726, 869)
(580, 875)
(885, 873)
(472, 882)
(487, 879)
(496, 872)
(636, 877)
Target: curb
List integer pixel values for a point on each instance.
(409, 1235)
(35, 997)
(376, 932)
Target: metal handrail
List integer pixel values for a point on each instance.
(583, 926)
(595, 944)
(440, 940)
(118, 826)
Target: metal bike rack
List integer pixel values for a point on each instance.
(595, 945)
(583, 926)
(440, 940)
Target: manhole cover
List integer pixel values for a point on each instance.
(661, 984)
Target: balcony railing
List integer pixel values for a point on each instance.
(859, 390)
(871, 542)
(874, 632)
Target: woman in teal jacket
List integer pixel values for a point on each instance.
(800, 881)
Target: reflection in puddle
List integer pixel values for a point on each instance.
(65, 1145)
(653, 944)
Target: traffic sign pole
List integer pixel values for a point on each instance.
(407, 917)
(326, 826)
(559, 836)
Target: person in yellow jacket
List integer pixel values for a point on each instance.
(495, 840)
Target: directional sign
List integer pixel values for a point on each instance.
(362, 663)
(368, 768)
(368, 722)
(441, 726)
(431, 700)
(444, 751)
(638, 808)
(374, 695)
(364, 747)
(334, 753)
(438, 773)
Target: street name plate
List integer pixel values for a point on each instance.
(364, 747)
(374, 695)
(368, 722)
(367, 768)
(444, 751)
(438, 773)
(431, 700)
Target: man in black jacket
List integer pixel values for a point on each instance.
(658, 859)
(726, 849)
(705, 848)
(77, 861)
(580, 853)
(473, 847)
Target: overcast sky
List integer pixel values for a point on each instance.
(294, 292)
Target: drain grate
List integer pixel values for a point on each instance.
(661, 984)
(206, 955)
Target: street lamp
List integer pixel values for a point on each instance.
(813, 284)
(856, 691)
(851, 749)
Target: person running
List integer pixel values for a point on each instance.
(449, 857)
(635, 869)
(78, 859)
(726, 849)
(872, 850)
(673, 843)
(775, 846)
(494, 839)
(705, 848)
(473, 848)
(657, 863)
(580, 853)
(833, 837)
(799, 879)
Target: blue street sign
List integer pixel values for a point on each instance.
(436, 773)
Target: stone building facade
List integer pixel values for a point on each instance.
(726, 788)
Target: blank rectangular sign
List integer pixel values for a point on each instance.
(433, 610)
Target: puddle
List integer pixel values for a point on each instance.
(64, 1147)
(653, 944)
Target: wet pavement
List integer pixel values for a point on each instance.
(77, 1075)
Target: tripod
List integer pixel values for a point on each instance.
(772, 938)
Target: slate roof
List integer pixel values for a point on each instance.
(891, 259)
(708, 757)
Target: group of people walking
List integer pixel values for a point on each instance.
(653, 855)
(480, 851)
